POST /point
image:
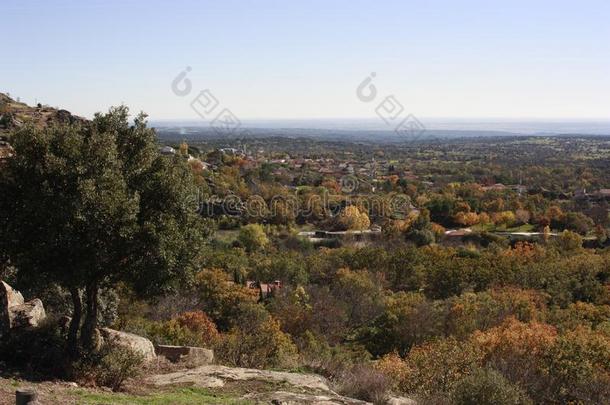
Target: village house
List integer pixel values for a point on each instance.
(167, 150)
(602, 194)
(265, 289)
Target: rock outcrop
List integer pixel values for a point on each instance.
(15, 312)
(15, 114)
(9, 297)
(28, 314)
(215, 376)
(294, 398)
(136, 343)
(275, 387)
(192, 356)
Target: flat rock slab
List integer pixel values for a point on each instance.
(193, 356)
(213, 376)
(291, 398)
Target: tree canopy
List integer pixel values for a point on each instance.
(87, 206)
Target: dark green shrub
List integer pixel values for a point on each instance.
(263, 345)
(364, 382)
(488, 387)
(109, 366)
(39, 353)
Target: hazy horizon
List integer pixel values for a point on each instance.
(516, 126)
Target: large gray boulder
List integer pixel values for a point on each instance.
(15, 312)
(28, 315)
(9, 297)
(136, 343)
(193, 356)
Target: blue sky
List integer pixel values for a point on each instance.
(289, 59)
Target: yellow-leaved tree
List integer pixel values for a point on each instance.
(351, 218)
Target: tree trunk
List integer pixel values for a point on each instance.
(88, 332)
(77, 314)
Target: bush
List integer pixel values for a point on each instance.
(578, 367)
(201, 325)
(261, 346)
(109, 366)
(172, 333)
(481, 311)
(393, 366)
(39, 352)
(488, 387)
(252, 237)
(187, 329)
(516, 349)
(364, 382)
(515, 342)
(432, 368)
(333, 362)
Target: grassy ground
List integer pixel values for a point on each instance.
(230, 235)
(493, 228)
(65, 394)
(226, 236)
(175, 396)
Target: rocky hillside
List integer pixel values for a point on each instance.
(14, 114)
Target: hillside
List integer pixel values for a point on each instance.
(15, 114)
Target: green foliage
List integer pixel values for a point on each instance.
(360, 294)
(568, 241)
(187, 329)
(408, 319)
(488, 387)
(108, 366)
(38, 352)
(432, 368)
(441, 208)
(221, 298)
(252, 237)
(280, 265)
(578, 366)
(364, 382)
(352, 218)
(483, 322)
(174, 396)
(259, 344)
(420, 231)
(89, 205)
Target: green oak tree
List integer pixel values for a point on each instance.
(90, 205)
